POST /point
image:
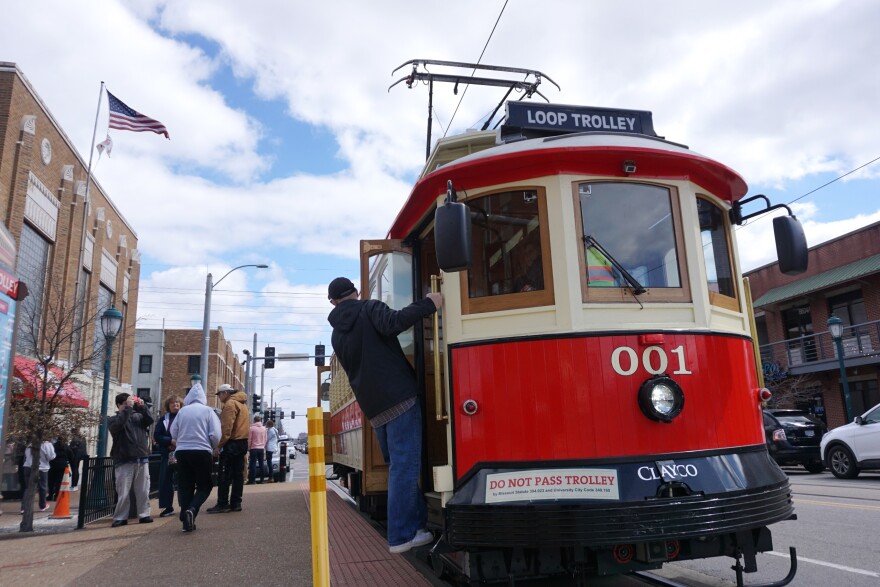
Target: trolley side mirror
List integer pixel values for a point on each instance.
(452, 236)
(791, 245)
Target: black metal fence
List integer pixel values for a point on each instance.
(97, 498)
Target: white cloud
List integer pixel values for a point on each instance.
(777, 91)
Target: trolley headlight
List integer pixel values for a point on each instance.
(661, 398)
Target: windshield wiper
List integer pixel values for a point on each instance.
(637, 288)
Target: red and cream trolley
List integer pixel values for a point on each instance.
(591, 400)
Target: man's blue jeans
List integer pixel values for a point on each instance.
(401, 443)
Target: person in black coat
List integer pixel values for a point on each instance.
(384, 383)
(78, 454)
(63, 456)
(162, 438)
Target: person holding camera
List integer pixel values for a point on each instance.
(130, 429)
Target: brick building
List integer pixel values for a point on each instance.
(792, 312)
(166, 360)
(69, 236)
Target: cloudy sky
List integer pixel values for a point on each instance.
(287, 147)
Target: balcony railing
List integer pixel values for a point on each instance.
(807, 353)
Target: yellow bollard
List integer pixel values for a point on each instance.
(318, 499)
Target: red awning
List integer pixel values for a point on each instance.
(30, 372)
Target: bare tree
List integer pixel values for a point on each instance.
(791, 390)
(40, 410)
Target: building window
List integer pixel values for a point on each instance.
(193, 364)
(864, 395)
(105, 300)
(79, 315)
(33, 258)
(144, 393)
(850, 308)
(638, 227)
(511, 262)
(798, 325)
(716, 255)
(145, 364)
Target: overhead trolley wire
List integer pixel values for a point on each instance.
(835, 179)
(497, 20)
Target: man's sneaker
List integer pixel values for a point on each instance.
(167, 512)
(421, 538)
(118, 523)
(219, 509)
(45, 509)
(235, 508)
(146, 520)
(189, 521)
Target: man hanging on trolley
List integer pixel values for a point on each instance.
(384, 383)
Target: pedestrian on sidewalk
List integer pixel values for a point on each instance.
(130, 429)
(162, 438)
(384, 383)
(195, 434)
(47, 453)
(271, 447)
(257, 449)
(233, 446)
(57, 466)
(78, 454)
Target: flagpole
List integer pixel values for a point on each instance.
(82, 245)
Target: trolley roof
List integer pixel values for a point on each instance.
(592, 153)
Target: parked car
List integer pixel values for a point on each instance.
(849, 449)
(276, 462)
(793, 438)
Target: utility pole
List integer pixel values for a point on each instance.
(253, 370)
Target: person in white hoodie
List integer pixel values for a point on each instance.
(47, 453)
(195, 435)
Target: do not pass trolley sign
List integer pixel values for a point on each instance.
(552, 484)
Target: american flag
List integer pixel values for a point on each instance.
(123, 117)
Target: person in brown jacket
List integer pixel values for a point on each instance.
(234, 425)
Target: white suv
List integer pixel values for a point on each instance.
(849, 449)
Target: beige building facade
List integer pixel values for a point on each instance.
(70, 237)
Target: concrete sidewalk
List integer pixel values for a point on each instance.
(268, 543)
(43, 524)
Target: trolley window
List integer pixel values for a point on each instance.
(716, 254)
(635, 227)
(391, 282)
(511, 266)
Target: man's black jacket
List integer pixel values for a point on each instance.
(365, 342)
(130, 429)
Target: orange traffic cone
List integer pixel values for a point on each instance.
(62, 505)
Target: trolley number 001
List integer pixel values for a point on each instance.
(654, 359)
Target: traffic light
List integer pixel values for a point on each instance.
(319, 355)
(258, 404)
(270, 357)
(293, 415)
(267, 415)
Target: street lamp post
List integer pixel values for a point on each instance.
(247, 373)
(206, 325)
(111, 323)
(272, 395)
(835, 327)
